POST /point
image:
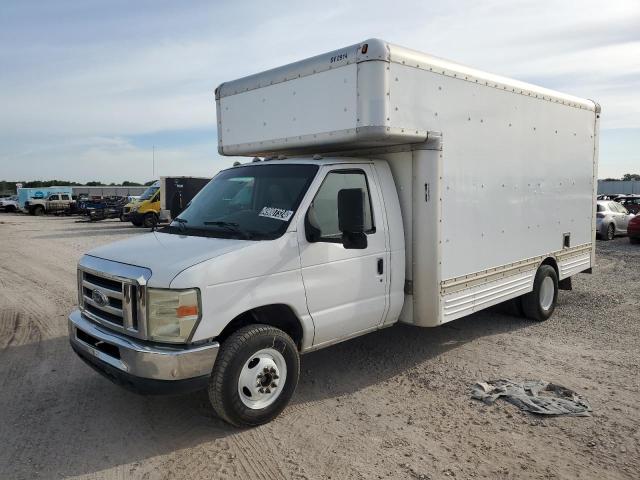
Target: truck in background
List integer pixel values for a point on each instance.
(40, 193)
(56, 203)
(376, 203)
(9, 203)
(145, 210)
(177, 192)
(163, 200)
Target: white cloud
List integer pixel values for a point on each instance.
(75, 87)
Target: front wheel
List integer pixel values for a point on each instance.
(149, 220)
(541, 302)
(254, 376)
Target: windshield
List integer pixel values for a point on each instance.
(250, 202)
(149, 192)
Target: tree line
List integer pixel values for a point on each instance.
(7, 186)
(625, 177)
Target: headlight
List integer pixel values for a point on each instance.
(172, 314)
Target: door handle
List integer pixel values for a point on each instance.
(380, 266)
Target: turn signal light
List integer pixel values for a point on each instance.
(186, 311)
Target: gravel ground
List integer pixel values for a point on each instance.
(392, 404)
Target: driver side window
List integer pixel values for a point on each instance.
(322, 216)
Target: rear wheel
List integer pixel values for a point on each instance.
(254, 376)
(609, 233)
(541, 302)
(38, 210)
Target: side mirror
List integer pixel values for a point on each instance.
(351, 218)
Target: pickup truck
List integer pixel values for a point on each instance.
(387, 186)
(55, 203)
(9, 204)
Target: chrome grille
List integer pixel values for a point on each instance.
(113, 294)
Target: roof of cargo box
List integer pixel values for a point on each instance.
(376, 49)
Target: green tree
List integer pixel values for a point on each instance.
(631, 176)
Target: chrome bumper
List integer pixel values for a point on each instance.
(140, 359)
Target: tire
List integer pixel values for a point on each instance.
(234, 396)
(121, 217)
(539, 304)
(149, 220)
(38, 210)
(635, 240)
(10, 209)
(136, 223)
(609, 233)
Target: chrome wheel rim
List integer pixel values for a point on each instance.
(547, 292)
(262, 378)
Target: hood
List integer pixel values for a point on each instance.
(166, 255)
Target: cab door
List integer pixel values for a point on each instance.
(346, 288)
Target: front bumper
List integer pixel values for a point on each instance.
(144, 367)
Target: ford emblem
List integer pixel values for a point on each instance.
(99, 298)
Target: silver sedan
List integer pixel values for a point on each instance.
(611, 219)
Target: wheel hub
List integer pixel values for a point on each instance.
(261, 379)
(547, 292)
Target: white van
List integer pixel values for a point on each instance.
(395, 186)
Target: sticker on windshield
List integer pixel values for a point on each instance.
(276, 213)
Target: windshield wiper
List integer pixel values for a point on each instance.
(222, 224)
(231, 226)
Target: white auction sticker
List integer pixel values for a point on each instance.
(276, 213)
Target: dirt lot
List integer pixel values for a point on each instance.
(393, 404)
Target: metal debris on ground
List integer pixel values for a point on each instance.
(535, 396)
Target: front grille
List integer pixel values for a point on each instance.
(114, 298)
(127, 209)
(97, 289)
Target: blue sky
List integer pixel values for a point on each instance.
(87, 88)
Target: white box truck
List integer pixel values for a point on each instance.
(396, 186)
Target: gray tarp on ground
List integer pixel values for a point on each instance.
(534, 396)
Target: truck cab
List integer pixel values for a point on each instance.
(269, 228)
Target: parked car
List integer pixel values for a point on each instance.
(609, 196)
(611, 219)
(630, 202)
(9, 204)
(633, 229)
